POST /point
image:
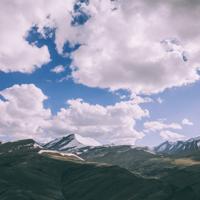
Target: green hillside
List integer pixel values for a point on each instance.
(25, 174)
(136, 160)
(180, 172)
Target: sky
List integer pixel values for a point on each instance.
(120, 72)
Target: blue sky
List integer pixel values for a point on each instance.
(51, 83)
(170, 83)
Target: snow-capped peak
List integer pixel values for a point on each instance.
(87, 141)
(73, 141)
(187, 146)
(194, 139)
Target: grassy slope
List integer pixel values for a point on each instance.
(180, 172)
(134, 160)
(26, 175)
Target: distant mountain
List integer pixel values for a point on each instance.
(180, 147)
(71, 142)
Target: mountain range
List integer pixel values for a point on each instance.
(179, 147)
(77, 143)
(74, 167)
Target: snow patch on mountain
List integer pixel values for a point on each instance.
(187, 146)
(73, 141)
(58, 153)
(87, 141)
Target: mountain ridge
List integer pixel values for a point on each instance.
(179, 147)
(70, 142)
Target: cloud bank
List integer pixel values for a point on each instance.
(23, 115)
(108, 124)
(171, 136)
(140, 46)
(135, 45)
(22, 112)
(164, 130)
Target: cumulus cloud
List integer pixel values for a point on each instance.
(164, 130)
(159, 126)
(171, 136)
(23, 115)
(58, 69)
(139, 46)
(22, 112)
(17, 18)
(187, 122)
(107, 124)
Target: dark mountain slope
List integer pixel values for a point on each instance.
(100, 182)
(27, 175)
(137, 160)
(20, 146)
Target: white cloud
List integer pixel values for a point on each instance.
(107, 124)
(187, 122)
(23, 115)
(171, 136)
(141, 100)
(159, 126)
(164, 130)
(125, 48)
(16, 18)
(58, 69)
(138, 46)
(22, 112)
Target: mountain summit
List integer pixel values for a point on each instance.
(72, 141)
(187, 146)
